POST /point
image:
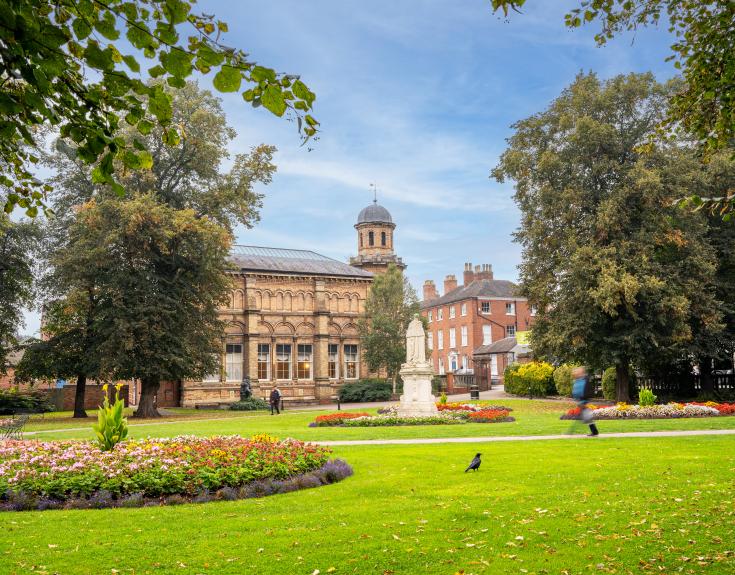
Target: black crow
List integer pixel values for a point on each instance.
(475, 464)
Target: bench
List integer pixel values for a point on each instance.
(12, 427)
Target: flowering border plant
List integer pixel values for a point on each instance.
(334, 419)
(663, 411)
(183, 466)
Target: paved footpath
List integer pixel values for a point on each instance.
(526, 437)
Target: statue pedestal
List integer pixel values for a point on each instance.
(417, 399)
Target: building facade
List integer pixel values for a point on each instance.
(477, 313)
(292, 319)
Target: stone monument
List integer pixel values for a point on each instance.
(417, 399)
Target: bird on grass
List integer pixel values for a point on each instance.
(474, 464)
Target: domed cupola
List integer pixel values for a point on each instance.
(374, 214)
(375, 239)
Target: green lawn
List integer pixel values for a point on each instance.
(533, 418)
(631, 505)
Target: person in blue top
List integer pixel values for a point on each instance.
(582, 392)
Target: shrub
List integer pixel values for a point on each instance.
(29, 401)
(563, 379)
(250, 404)
(646, 398)
(443, 398)
(609, 390)
(533, 379)
(112, 426)
(366, 390)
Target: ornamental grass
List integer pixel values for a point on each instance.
(185, 466)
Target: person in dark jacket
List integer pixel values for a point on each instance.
(276, 400)
(582, 392)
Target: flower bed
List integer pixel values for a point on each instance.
(393, 420)
(456, 414)
(333, 419)
(664, 411)
(52, 474)
(490, 416)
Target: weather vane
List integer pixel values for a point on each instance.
(375, 192)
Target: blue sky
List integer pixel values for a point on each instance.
(417, 97)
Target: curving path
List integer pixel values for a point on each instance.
(420, 441)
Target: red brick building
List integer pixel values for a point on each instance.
(477, 313)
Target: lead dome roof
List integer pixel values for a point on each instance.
(374, 213)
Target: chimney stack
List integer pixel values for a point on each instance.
(484, 272)
(430, 290)
(469, 275)
(450, 283)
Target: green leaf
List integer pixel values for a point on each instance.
(81, 28)
(272, 99)
(145, 127)
(146, 160)
(132, 63)
(106, 26)
(261, 74)
(177, 63)
(228, 79)
(302, 92)
(176, 11)
(171, 137)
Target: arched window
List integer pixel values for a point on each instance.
(382, 238)
(371, 238)
(361, 239)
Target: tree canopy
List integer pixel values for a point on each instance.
(391, 305)
(185, 183)
(619, 275)
(18, 242)
(65, 64)
(160, 278)
(703, 106)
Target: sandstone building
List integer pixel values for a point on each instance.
(292, 320)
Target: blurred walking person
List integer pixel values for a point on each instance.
(582, 392)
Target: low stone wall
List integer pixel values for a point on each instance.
(63, 397)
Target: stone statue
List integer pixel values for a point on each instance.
(417, 399)
(415, 342)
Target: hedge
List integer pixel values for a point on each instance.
(24, 401)
(366, 390)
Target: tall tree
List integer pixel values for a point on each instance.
(704, 105)
(391, 304)
(619, 275)
(18, 242)
(48, 49)
(160, 280)
(187, 176)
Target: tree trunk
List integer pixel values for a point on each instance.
(79, 411)
(622, 381)
(148, 390)
(395, 382)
